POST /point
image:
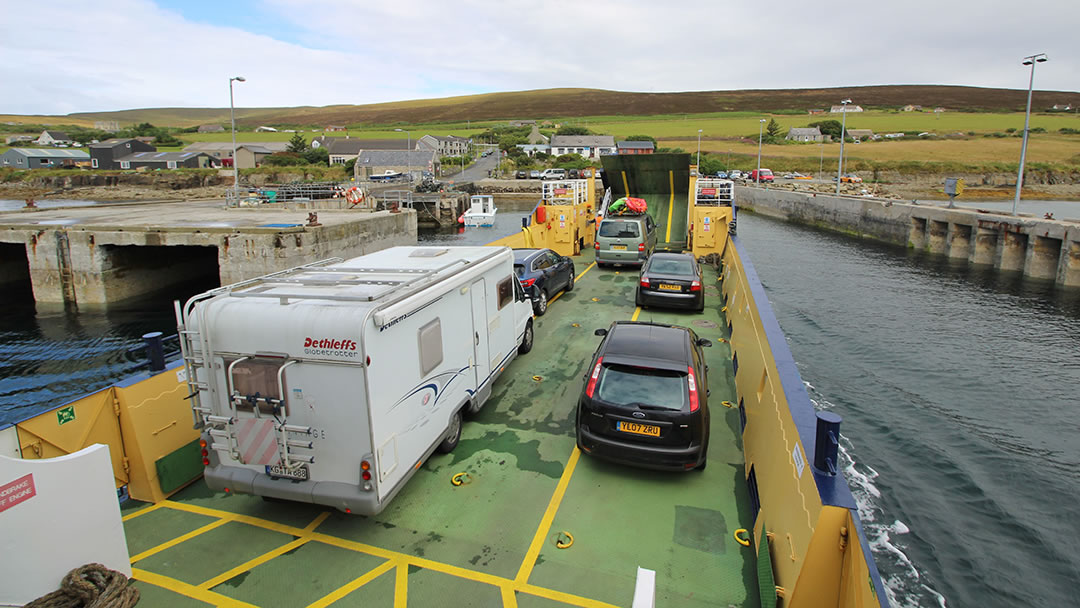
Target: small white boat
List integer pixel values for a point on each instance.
(481, 211)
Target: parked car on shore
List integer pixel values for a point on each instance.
(521, 174)
(534, 174)
(850, 178)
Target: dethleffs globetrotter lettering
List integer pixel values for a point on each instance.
(330, 346)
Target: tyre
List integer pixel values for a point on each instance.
(453, 435)
(570, 281)
(541, 304)
(527, 340)
(637, 301)
(704, 461)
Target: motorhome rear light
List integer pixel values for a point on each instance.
(695, 286)
(528, 282)
(206, 463)
(641, 246)
(366, 475)
(365, 465)
(205, 453)
(692, 382)
(589, 388)
(202, 443)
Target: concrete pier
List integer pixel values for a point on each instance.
(1039, 248)
(109, 253)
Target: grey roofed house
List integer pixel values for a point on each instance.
(41, 158)
(368, 144)
(635, 146)
(52, 137)
(166, 160)
(103, 154)
(589, 146)
(211, 128)
(445, 145)
(376, 162)
(804, 134)
(860, 133)
(223, 149)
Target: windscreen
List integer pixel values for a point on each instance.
(619, 229)
(628, 385)
(662, 266)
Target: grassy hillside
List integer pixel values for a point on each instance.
(580, 103)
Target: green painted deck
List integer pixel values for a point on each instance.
(492, 541)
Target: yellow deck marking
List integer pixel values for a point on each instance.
(244, 519)
(670, 206)
(253, 563)
(214, 599)
(508, 597)
(545, 523)
(179, 539)
(576, 278)
(637, 311)
(401, 586)
(151, 508)
(315, 522)
(566, 598)
(348, 588)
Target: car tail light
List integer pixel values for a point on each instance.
(644, 281)
(693, 389)
(528, 283)
(591, 386)
(596, 245)
(695, 286)
(641, 247)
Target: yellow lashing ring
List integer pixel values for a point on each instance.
(559, 541)
(745, 543)
(724, 309)
(727, 404)
(460, 479)
(538, 378)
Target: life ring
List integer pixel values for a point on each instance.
(354, 195)
(738, 539)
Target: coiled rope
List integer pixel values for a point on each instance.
(90, 586)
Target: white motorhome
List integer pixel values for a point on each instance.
(332, 383)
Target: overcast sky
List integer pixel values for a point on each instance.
(62, 57)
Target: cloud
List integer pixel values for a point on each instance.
(122, 54)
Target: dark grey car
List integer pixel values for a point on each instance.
(671, 280)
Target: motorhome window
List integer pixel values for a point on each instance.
(430, 340)
(252, 377)
(506, 292)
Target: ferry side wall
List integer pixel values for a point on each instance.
(1039, 248)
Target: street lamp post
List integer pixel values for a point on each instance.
(232, 119)
(1032, 60)
(843, 128)
(699, 151)
(761, 125)
(821, 159)
(408, 150)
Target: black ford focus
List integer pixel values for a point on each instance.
(645, 400)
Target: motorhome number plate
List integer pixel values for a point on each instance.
(277, 470)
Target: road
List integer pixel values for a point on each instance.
(475, 172)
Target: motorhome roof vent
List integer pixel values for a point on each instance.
(427, 252)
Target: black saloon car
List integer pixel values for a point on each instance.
(543, 273)
(645, 401)
(671, 280)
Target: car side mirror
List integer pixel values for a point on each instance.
(600, 332)
(704, 342)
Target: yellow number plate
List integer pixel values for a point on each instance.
(619, 247)
(666, 287)
(639, 429)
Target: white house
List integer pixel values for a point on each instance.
(449, 145)
(841, 110)
(52, 138)
(588, 146)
